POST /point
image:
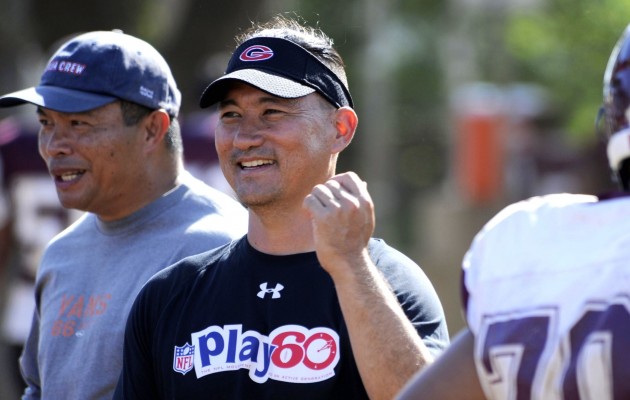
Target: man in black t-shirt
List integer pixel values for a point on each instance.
(307, 305)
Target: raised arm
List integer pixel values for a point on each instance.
(386, 347)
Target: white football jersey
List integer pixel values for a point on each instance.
(547, 285)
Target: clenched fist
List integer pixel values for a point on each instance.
(342, 214)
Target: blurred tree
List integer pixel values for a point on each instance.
(565, 46)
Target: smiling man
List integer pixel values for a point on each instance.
(308, 305)
(107, 105)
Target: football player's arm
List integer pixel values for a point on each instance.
(385, 345)
(451, 377)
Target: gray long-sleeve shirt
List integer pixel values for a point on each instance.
(90, 275)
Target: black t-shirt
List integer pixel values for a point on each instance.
(235, 323)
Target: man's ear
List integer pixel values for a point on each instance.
(155, 126)
(346, 121)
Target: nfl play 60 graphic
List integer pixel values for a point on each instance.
(291, 353)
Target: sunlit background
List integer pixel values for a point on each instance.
(464, 105)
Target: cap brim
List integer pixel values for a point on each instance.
(57, 98)
(270, 83)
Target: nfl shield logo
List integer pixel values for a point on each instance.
(183, 358)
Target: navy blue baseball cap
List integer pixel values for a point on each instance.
(280, 67)
(98, 68)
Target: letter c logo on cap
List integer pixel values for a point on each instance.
(256, 53)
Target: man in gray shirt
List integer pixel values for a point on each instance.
(107, 104)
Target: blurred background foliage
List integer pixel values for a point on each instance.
(418, 70)
(564, 46)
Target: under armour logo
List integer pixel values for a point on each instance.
(275, 291)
